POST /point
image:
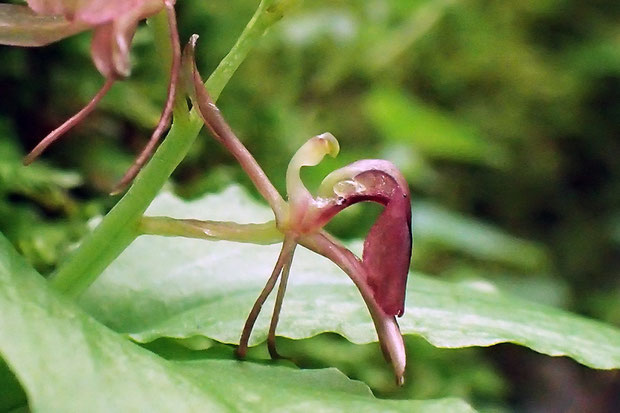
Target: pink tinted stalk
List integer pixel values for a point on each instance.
(390, 338)
(69, 123)
(164, 120)
(219, 128)
(285, 256)
(275, 317)
(261, 234)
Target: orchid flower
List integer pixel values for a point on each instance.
(114, 24)
(380, 275)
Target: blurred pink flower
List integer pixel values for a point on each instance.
(114, 24)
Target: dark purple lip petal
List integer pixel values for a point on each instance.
(387, 248)
(387, 253)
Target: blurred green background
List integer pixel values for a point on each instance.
(504, 117)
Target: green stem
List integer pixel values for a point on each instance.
(264, 234)
(120, 226)
(268, 13)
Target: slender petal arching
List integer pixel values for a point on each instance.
(54, 135)
(222, 132)
(286, 269)
(166, 116)
(284, 259)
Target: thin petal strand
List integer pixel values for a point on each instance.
(164, 120)
(222, 132)
(285, 257)
(70, 123)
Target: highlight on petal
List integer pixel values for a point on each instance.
(112, 37)
(55, 7)
(103, 51)
(387, 248)
(101, 11)
(114, 21)
(20, 26)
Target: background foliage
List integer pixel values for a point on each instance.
(503, 116)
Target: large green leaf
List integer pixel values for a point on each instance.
(68, 362)
(174, 287)
(255, 387)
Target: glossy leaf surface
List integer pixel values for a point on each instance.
(173, 287)
(68, 362)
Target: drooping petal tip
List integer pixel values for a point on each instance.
(393, 346)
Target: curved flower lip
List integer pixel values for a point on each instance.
(387, 247)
